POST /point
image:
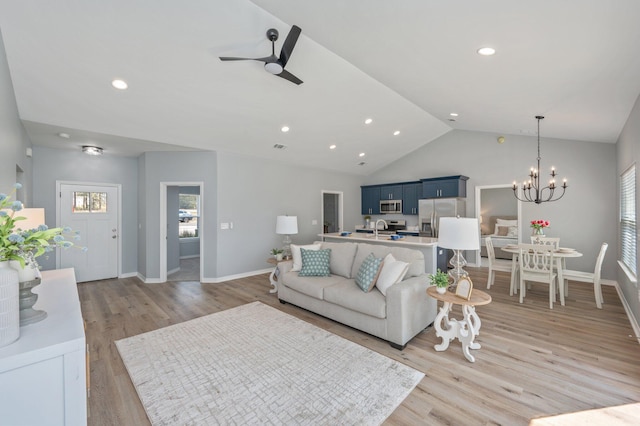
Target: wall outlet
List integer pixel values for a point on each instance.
(224, 225)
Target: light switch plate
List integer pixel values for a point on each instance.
(224, 225)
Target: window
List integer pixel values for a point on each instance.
(188, 215)
(89, 202)
(628, 219)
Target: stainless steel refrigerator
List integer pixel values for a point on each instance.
(430, 211)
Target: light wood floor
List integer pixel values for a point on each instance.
(534, 362)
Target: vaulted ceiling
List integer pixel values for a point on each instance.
(406, 65)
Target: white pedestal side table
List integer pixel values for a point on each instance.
(273, 276)
(466, 329)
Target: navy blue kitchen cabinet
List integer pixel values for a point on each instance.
(444, 187)
(411, 193)
(370, 199)
(390, 192)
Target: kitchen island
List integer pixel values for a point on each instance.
(428, 246)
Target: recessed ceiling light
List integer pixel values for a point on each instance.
(368, 121)
(362, 154)
(362, 163)
(285, 129)
(487, 51)
(332, 147)
(396, 133)
(279, 146)
(64, 135)
(119, 84)
(454, 114)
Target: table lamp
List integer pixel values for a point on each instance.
(458, 234)
(34, 217)
(286, 225)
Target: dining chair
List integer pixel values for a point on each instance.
(589, 277)
(554, 241)
(536, 265)
(495, 264)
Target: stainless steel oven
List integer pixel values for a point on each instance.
(390, 206)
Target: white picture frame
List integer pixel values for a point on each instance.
(464, 287)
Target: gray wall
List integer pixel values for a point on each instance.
(175, 167)
(628, 154)
(13, 139)
(584, 219)
(252, 192)
(51, 165)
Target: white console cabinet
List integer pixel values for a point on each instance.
(43, 374)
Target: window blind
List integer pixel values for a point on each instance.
(628, 218)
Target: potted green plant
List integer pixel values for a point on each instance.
(440, 280)
(277, 253)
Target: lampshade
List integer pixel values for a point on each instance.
(34, 218)
(459, 233)
(287, 225)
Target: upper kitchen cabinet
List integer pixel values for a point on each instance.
(370, 199)
(391, 192)
(444, 187)
(411, 193)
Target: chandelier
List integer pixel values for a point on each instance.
(531, 190)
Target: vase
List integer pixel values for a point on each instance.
(441, 290)
(538, 232)
(9, 305)
(28, 278)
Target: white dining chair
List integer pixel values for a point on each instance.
(589, 277)
(495, 264)
(536, 265)
(553, 241)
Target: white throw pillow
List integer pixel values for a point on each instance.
(393, 271)
(513, 231)
(297, 257)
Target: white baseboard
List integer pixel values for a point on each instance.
(129, 275)
(632, 319)
(149, 280)
(236, 276)
(173, 271)
(189, 257)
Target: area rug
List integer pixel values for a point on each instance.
(256, 365)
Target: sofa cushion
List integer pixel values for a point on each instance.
(312, 286)
(414, 258)
(392, 272)
(315, 263)
(368, 272)
(342, 255)
(365, 250)
(297, 257)
(348, 295)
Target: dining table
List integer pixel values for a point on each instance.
(559, 256)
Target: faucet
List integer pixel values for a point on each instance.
(375, 228)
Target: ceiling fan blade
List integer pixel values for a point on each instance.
(231, 58)
(288, 76)
(289, 44)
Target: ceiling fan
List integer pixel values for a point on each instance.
(272, 63)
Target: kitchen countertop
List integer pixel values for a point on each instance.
(385, 239)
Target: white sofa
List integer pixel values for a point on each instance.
(404, 312)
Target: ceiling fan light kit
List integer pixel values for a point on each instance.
(273, 64)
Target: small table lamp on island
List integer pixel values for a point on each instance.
(458, 233)
(286, 225)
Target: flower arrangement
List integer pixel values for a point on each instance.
(539, 224)
(24, 245)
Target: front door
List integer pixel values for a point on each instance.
(93, 211)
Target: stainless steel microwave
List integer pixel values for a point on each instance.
(390, 206)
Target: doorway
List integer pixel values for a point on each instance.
(492, 202)
(331, 211)
(94, 211)
(181, 231)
